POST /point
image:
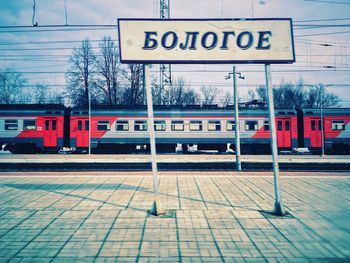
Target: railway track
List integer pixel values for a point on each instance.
(173, 166)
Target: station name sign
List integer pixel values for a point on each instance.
(194, 41)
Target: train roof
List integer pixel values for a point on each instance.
(31, 106)
(178, 111)
(326, 111)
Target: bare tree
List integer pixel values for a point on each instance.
(42, 94)
(251, 95)
(82, 75)
(227, 99)
(110, 70)
(134, 94)
(319, 93)
(179, 94)
(262, 93)
(289, 95)
(39, 93)
(209, 94)
(12, 84)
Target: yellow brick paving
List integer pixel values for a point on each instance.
(210, 218)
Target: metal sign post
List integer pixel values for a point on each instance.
(157, 208)
(278, 209)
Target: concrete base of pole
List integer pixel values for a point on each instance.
(157, 209)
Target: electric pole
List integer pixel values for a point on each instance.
(164, 69)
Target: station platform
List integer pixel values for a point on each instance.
(171, 162)
(208, 218)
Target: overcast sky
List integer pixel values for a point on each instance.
(311, 55)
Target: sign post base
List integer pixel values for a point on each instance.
(157, 207)
(279, 210)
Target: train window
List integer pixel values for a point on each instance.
(230, 125)
(313, 125)
(54, 124)
(196, 126)
(103, 126)
(140, 126)
(47, 125)
(279, 125)
(159, 125)
(266, 125)
(87, 125)
(319, 125)
(251, 125)
(338, 125)
(80, 125)
(177, 125)
(214, 126)
(11, 125)
(287, 123)
(122, 125)
(29, 125)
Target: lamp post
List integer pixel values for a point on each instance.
(322, 133)
(237, 131)
(322, 121)
(89, 101)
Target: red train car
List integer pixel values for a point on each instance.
(336, 130)
(32, 128)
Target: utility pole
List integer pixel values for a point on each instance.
(164, 69)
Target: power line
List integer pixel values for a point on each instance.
(59, 26)
(323, 34)
(328, 2)
(321, 20)
(57, 30)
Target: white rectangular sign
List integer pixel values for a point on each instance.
(193, 41)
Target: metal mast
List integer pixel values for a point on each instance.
(164, 69)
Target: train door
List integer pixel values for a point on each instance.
(50, 132)
(82, 132)
(315, 132)
(284, 137)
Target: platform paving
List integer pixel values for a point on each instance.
(210, 218)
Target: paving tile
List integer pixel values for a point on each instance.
(43, 249)
(80, 249)
(20, 235)
(90, 234)
(8, 249)
(244, 249)
(125, 234)
(195, 234)
(55, 234)
(120, 249)
(202, 249)
(162, 249)
(153, 234)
